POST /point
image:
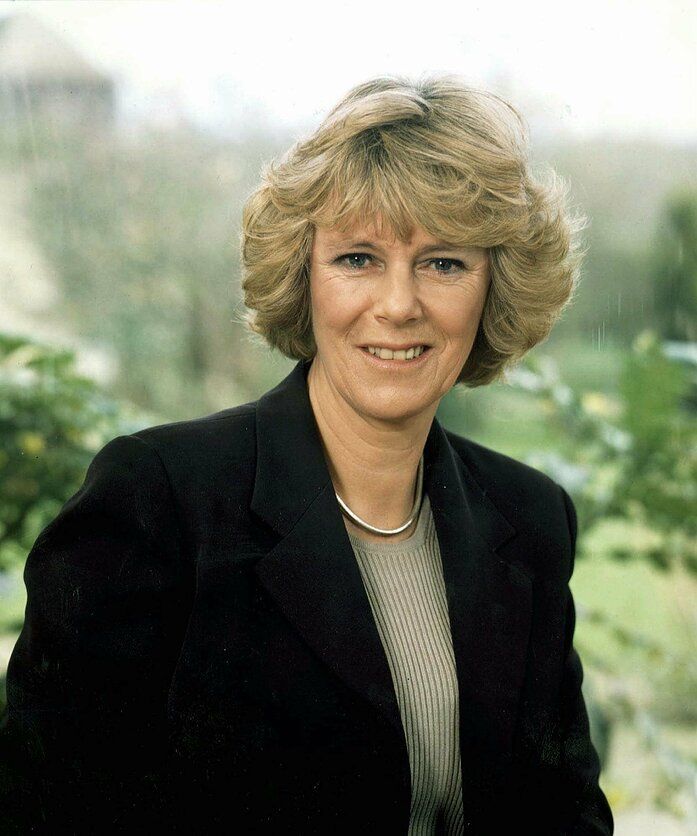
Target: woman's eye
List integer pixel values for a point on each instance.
(447, 262)
(352, 259)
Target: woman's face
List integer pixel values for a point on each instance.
(380, 292)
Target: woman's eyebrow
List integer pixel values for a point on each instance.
(348, 242)
(445, 246)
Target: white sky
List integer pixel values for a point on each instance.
(617, 66)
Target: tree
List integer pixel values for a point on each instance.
(675, 269)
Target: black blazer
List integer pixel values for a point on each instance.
(199, 654)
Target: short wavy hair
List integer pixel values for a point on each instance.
(434, 152)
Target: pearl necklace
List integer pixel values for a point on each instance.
(386, 531)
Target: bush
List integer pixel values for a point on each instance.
(52, 422)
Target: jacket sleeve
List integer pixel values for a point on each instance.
(83, 741)
(588, 811)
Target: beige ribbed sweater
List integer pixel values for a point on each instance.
(405, 587)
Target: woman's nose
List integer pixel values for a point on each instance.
(397, 295)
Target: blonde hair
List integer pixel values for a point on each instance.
(433, 152)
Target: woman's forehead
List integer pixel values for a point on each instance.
(362, 230)
(375, 227)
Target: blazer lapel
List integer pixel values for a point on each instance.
(490, 609)
(312, 572)
(314, 578)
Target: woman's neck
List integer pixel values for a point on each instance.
(373, 465)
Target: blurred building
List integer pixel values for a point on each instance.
(44, 78)
(44, 83)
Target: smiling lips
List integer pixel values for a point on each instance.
(395, 357)
(398, 354)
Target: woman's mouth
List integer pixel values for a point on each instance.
(403, 359)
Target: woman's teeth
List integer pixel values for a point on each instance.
(403, 354)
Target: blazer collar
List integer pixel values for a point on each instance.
(312, 573)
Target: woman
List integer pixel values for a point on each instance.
(321, 612)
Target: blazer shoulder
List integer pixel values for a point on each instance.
(214, 452)
(203, 425)
(226, 432)
(493, 469)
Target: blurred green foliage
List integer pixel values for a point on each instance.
(633, 477)
(675, 268)
(52, 422)
(633, 474)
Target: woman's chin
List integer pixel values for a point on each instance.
(392, 407)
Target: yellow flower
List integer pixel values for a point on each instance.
(597, 403)
(617, 796)
(32, 443)
(644, 340)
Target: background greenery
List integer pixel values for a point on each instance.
(140, 238)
